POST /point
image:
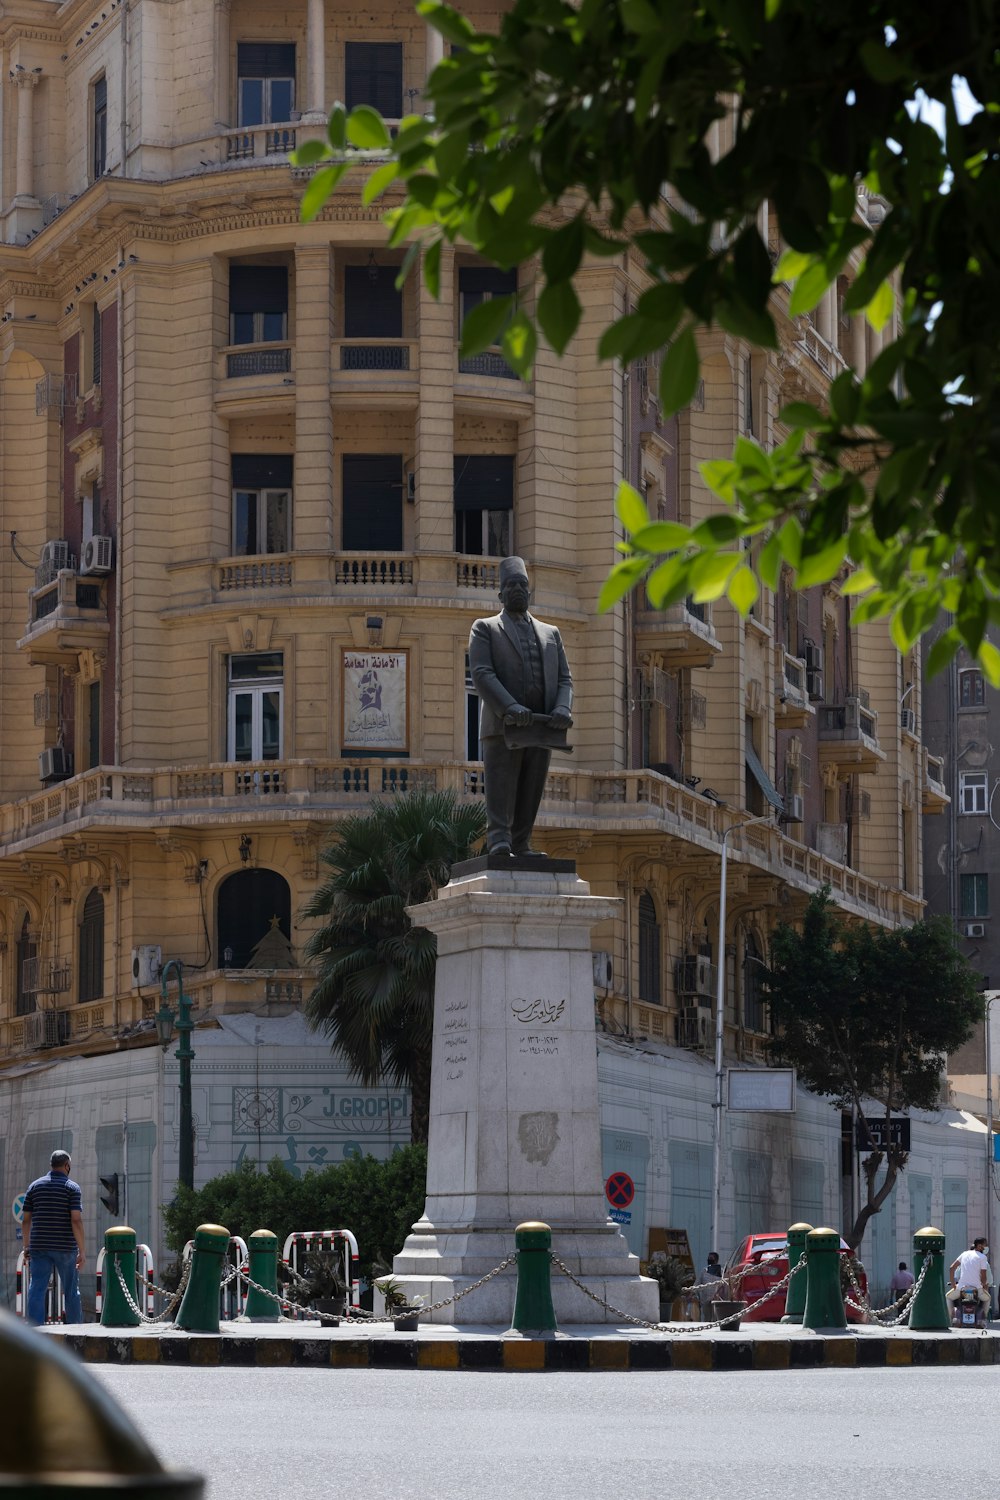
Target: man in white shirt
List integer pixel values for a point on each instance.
(971, 1269)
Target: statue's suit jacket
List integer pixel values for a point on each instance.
(498, 670)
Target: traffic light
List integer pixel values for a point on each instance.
(110, 1195)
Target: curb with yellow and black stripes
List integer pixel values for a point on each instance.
(569, 1354)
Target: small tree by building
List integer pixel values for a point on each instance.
(374, 993)
(868, 1014)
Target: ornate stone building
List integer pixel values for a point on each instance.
(252, 501)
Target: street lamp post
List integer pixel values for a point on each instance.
(166, 1022)
(720, 1004)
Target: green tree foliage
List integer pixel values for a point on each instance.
(868, 1014)
(374, 995)
(377, 1201)
(553, 139)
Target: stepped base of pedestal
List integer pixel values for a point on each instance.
(435, 1264)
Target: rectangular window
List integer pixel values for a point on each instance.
(374, 76)
(484, 504)
(265, 73)
(971, 691)
(95, 353)
(478, 284)
(258, 304)
(255, 694)
(974, 895)
(93, 725)
(99, 127)
(373, 307)
(262, 503)
(373, 502)
(972, 791)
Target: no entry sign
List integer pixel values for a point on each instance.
(619, 1190)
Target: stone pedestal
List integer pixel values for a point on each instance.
(514, 1130)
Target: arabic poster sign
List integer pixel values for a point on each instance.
(376, 714)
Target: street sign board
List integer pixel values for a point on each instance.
(619, 1191)
(877, 1138)
(996, 1147)
(620, 1215)
(17, 1208)
(761, 1090)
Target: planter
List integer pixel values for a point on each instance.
(725, 1310)
(406, 1322)
(330, 1310)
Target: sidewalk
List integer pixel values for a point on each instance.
(758, 1346)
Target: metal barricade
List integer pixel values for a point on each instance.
(306, 1236)
(55, 1302)
(233, 1292)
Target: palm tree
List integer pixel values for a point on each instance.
(374, 995)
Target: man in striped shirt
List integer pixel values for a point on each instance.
(53, 1238)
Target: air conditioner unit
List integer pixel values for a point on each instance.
(793, 808)
(695, 975)
(411, 486)
(96, 555)
(54, 557)
(695, 1027)
(908, 720)
(603, 970)
(975, 929)
(55, 764)
(46, 1028)
(146, 965)
(814, 682)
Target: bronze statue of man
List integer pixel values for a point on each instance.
(520, 671)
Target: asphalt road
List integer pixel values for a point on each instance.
(393, 1435)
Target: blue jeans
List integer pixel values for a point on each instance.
(41, 1264)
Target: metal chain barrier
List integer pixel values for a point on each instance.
(360, 1316)
(863, 1305)
(683, 1327)
(143, 1317)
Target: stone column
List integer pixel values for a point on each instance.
(24, 178)
(826, 316)
(316, 55)
(859, 342)
(435, 48)
(514, 1128)
(224, 113)
(435, 426)
(313, 514)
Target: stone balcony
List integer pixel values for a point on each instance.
(618, 805)
(66, 616)
(681, 634)
(793, 710)
(848, 737)
(934, 796)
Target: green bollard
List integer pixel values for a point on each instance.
(824, 1301)
(795, 1297)
(533, 1310)
(263, 1250)
(119, 1250)
(199, 1309)
(929, 1308)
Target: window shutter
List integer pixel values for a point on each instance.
(375, 76)
(101, 94)
(484, 481)
(482, 279)
(265, 60)
(258, 471)
(255, 289)
(372, 308)
(373, 502)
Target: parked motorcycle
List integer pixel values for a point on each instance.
(968, 1311)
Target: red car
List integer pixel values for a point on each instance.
(757, 1263)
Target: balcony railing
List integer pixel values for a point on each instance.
(487, 363)
(578, 800)
(256, 573)
(258, 359)
(252, 142)
(373, 572)
(375, 356)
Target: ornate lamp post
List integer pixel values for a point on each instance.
(166, 1022)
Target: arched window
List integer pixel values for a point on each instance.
(754, 1009)
(650, 983)
(255, 921)
(26, 949)
(90, 954)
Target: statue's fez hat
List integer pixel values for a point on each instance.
(512, 567)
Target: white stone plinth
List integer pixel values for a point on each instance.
(514, 1130)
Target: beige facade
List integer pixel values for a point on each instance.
(238, 475)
